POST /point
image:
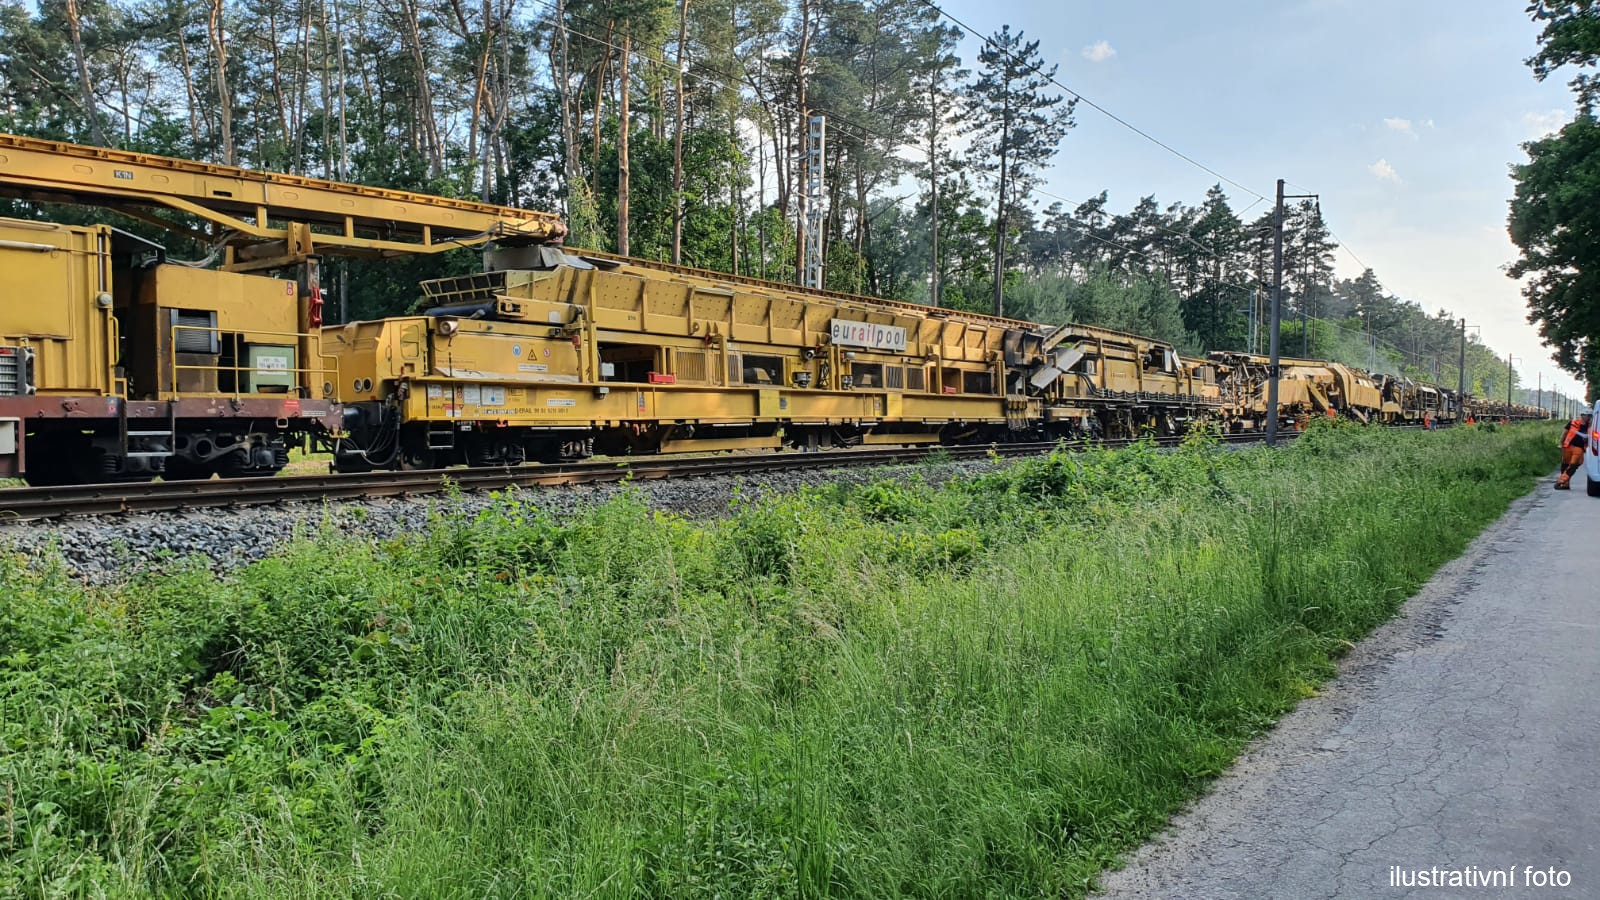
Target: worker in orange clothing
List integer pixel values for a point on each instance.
(1427, 420)
(1573, 444)
(1332, 414)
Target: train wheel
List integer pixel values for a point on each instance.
(576, 451)
(242, 464)
(419, 458)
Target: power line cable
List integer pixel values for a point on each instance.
(1078, 95)
(1343, 245)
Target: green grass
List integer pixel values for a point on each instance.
(988, 688)
(303, 463)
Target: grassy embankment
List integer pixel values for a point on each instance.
(990, 688)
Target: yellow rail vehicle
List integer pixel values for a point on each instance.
(550, 356)
(115, 364)
(1306, 387)
(1410, 402)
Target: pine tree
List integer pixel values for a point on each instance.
(1018, 121)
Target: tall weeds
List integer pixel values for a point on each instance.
(991, 687)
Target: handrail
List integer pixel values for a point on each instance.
(237, 369)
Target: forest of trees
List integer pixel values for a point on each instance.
(672, 130)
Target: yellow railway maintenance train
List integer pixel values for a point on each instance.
(1309, 388)
(117, 363)
(550, 355)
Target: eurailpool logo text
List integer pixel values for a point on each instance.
(847, 333)
(1474, 877)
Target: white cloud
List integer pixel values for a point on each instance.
(1539, 124)
(1384, 172)
(1408, 127)
(1099, 51)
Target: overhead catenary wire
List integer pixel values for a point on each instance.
(1082, 98)
(1079, 96)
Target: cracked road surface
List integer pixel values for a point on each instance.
(1465, 732)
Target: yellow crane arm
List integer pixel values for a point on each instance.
(274, 219)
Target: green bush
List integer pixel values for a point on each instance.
(991, 687)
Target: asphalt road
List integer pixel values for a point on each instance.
(1464, 733)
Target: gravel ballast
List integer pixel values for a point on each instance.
(106, 549)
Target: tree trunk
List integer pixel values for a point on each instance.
(277, 78)
(344, 144)
(478, 91)
(188, 84)
(497, 98)
(303, 95)
(428, 132)
(803, 132)
(569, 137)
(1000, 215)
(863, 230)
(933, 186)
(85, 86)
(127, 105)
(219, 49)
(327, 94)
(604, 68)
(733, 193)
(677, 147)
(761, 201)
(622, 149)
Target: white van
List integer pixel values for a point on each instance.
(1591, 456)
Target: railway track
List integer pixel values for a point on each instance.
(34, 503)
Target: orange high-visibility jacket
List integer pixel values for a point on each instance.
(1574, 428)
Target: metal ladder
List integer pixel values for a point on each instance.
(171, 433)
(441, 436)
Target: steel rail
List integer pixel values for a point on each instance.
(35, 503)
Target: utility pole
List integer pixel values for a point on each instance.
(934, 121)
(1277, 307)
(1461, 386)
(1273, 367)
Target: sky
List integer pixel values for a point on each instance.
(1403, 117)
